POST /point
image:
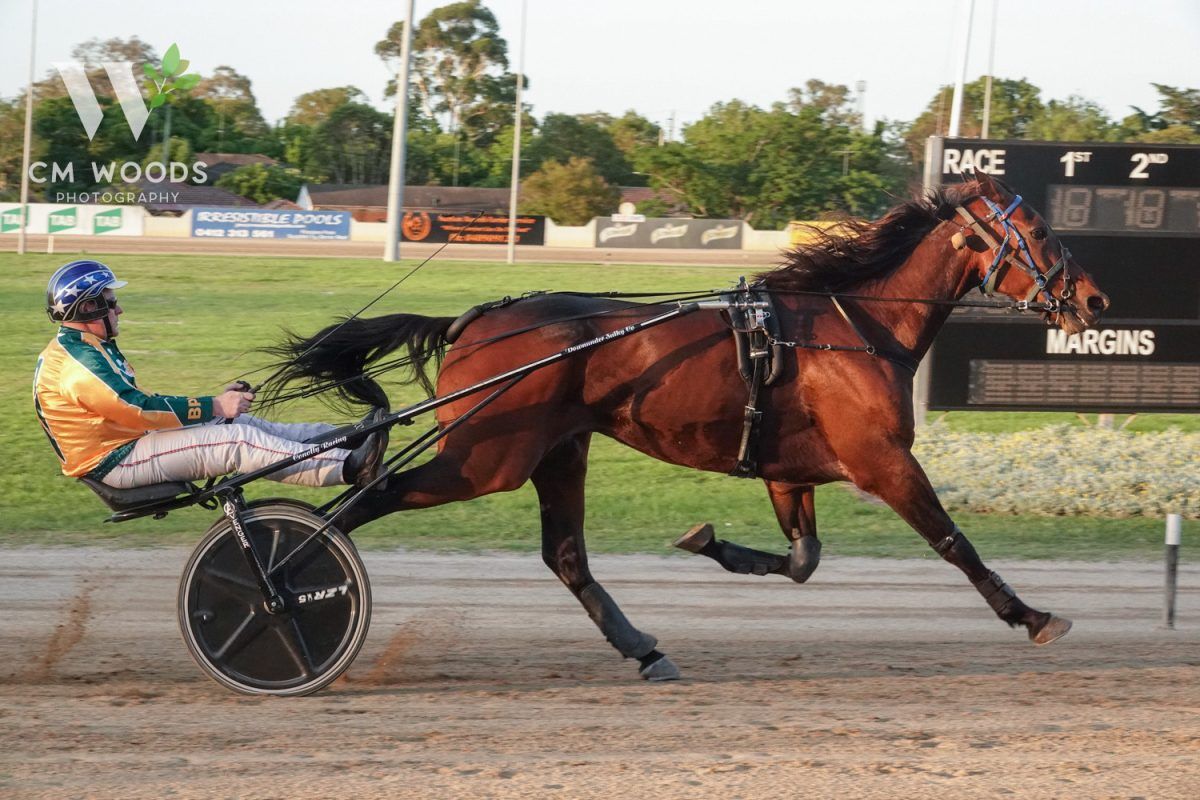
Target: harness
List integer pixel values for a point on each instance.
(1019, 256)
(758, 348)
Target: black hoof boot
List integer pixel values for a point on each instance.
(733, 557)
(804, 558)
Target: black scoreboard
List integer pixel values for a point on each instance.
(1130, 214)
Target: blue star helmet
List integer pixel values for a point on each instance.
(70, 288)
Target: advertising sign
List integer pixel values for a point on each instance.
(82, 219)
(698, 234)
(434, 226)
(252, 223)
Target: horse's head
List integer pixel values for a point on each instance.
(1018, 255)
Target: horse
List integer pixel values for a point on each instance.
(844, 413)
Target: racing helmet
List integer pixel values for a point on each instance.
(72, 285)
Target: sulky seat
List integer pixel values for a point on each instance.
(126, 499)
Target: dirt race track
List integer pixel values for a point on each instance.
(482, 677)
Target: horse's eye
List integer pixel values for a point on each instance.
(1038, 233)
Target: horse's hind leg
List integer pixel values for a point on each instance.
(559, 480)
(450, 476)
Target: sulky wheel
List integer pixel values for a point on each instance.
(223, 614)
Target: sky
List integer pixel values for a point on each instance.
(662, 58)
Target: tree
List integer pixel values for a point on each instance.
(313, 108)
(1176, 122)
(570, 193)
(632, 133)
(12, 132)
(1075, 119)
(561, 137)
(179, 150)
(771, 166)
(92, 54)
(241, 127)
(353, 145)
(832, 102)
(1179, 106)
(263, 183)
(1015, 105)
(498, 157)
(457, 55)
(63, 141)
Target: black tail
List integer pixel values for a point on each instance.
(338, 360)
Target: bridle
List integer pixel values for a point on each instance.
(1018, 255)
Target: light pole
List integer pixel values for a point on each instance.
(956, 104)
(987, 92)
(395, 210)
(516, 159)
(23, 208)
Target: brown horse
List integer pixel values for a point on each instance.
(674, 392)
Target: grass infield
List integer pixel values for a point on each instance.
(193, 323)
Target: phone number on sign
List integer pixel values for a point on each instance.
(222, 233)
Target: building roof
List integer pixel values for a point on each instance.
(640, 194)
(171, 197)
(221, 164)
(450, 198)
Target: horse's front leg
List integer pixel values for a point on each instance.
(891, 473)
(795, 508)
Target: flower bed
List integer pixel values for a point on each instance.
(1064, 470)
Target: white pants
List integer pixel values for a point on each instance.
(243, 445)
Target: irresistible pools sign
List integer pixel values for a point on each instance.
(240, 223)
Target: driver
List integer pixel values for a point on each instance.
(102, 426)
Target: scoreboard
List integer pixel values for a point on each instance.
(1130, 214)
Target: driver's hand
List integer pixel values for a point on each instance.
(231, 403)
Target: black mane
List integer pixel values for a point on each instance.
(856, 250)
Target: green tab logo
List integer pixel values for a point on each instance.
(10, 218)
(63, 219)
(106, 221)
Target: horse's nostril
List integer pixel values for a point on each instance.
(1096, 304)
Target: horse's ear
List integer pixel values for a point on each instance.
(986, 185)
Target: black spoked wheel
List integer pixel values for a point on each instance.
(223, 615)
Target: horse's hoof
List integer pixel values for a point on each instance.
(696, 539)
(804, 558)
(662, 670)
(1054, 629)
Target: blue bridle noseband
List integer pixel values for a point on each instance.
(1006, 253)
